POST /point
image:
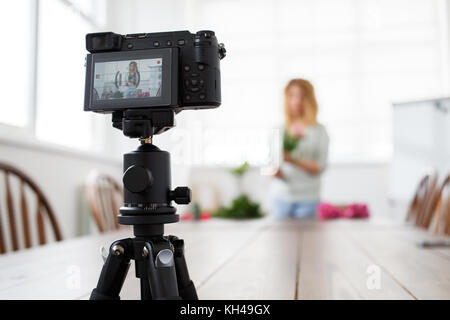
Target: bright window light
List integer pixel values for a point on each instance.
(61, 73)
(16, 79)
(360, 55)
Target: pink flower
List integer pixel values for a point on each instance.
(355, 210)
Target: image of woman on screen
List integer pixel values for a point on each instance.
(133, 74)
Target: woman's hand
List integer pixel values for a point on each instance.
(278, 174)
(287, 157)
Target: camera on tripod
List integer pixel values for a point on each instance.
(143, 80)
(142, 76)
(178, 70)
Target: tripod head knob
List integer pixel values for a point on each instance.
(137, 179)
(181, 195)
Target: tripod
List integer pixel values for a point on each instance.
(159, 260)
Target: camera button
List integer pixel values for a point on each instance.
(195, 89)
(181, 42)
(194, 74)
(194, 82)
(156, 44)
(169, 43)
(130, 46)
(202, 96)
(201, 67)
(187, 68)
(187, 97)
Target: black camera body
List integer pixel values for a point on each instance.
(177, 70)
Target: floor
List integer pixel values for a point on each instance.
(257, 259)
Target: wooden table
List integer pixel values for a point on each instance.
(259, 259)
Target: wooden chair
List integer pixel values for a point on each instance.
(431, 203)
(425, 194)
(27, 188)
(441, 212)
(105, 197)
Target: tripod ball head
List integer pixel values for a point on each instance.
(147, 187)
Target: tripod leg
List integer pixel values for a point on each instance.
(146, 293)
(113, 272)
(186, 287)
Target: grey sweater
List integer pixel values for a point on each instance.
(297, 184)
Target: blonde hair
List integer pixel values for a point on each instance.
(310, 106)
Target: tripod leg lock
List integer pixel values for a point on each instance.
(162, 274)
(114, 271)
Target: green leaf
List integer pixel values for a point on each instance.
(289, 142)
(239, 171)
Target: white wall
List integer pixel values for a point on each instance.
(60, 174)
(421, 141)
(139, 16)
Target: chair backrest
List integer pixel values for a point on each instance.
(441, 215)
(431, 203)
(105, 196)
(425, 193)
(19, 188)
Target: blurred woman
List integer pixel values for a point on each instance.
(305, 152)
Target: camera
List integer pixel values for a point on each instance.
(176, 70)
(144, 80)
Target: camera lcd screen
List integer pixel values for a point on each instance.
(132, 79)
(128, 79)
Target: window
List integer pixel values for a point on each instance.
(16, 79)
(43, 69)
(360, 55)
(61, 74)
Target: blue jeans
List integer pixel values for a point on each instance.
(287, 209)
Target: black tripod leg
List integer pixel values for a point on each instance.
(186, 287)
(113, 272)
(146, 293)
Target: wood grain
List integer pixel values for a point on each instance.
(423, 273)
(264, 268)
(11, 217)
(258, 259)
(333, 267)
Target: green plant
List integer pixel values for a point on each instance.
(239, 171)
(289, 142)
(241, 208)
